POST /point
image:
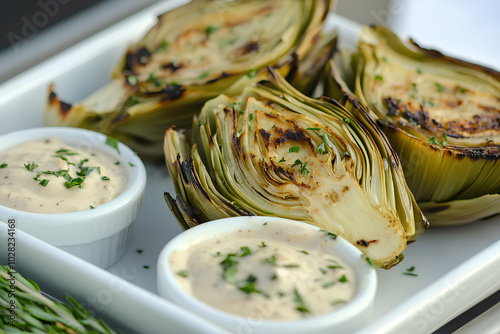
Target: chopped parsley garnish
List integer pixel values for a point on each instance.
(432, 140)
(91, 207)
(73, 182)
(410, 272)
(36, 178)
(44, 182)
(249, 287)
(315, 129)
(322, 149)
(131, 164)
(265, 223)
(343, 279)
(415, 87)
(463, 90)
(297, 162)
(379, 77)
(145, 267)
(337, 302)
(329, 234)
(347, 121)
(445, 141)
(238, 134)
(329, 284)
(113, 142)
(271, 260)
(117, 163)
(183, 273)
(139, 251)
(262, 245)
(245, 251)
(370, 261)
(426, 102)
(65, 159)
(440, 88)
(3, 165)
(211, 29)
(305, 252)
(335, 267)
(282, 160)
(65, 151)
(203, 75)
(301, 307)
(30, 166)
(419, 71)
(294, 149)
(230, 268)
(105, 178)
(291, 265)
(303, 169)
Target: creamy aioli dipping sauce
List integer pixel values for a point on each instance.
(48, 176)
(291, 276)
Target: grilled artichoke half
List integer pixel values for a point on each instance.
(273, 151)
(194, 53)
(440, 114)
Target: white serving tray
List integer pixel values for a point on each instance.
(456, 266)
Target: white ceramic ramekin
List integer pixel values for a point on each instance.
(99, 236)
(345, 319)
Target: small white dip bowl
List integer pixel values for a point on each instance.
(344, 319)
(99, 236)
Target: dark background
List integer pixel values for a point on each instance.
(38, 13)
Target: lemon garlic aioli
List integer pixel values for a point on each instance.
(48, 176)
(291, 276)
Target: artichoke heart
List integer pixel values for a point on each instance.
(273, 151)
(194, 53)
(440, 114)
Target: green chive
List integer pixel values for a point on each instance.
(379, 77)
(322, 149)
(211, 29)
(105, 178)
(440, 87)
(113, 142)
(3, 165)
(183, 273)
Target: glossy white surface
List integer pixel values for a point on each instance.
(400, 300)
(345, 319)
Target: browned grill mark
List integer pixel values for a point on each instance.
(365, 243)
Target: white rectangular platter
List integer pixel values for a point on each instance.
(456, 266)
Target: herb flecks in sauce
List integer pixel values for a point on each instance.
(57, 177)
(300, 280)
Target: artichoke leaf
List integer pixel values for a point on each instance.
(194, 53)
(440, 114)
(273, 151)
